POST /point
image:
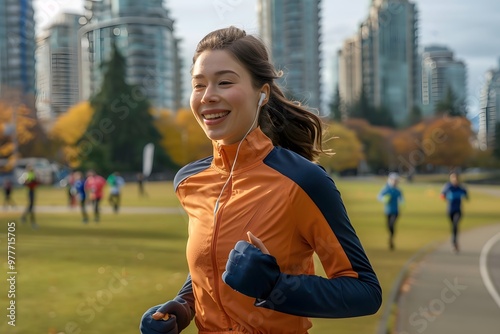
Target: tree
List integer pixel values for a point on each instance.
(68, 129)
(335, 106)
(362, 108)
(447, 142)
(496, 148)
(415, 115)
(121, 124)
(347, 149)
(381, 116)
(451, 105)
(24, 129)
(376, 146)
(183, 138)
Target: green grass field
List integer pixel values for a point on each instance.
(99, 278)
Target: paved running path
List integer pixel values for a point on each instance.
(455, 293)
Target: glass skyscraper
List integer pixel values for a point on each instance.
(144, 34)
(390, 57)
(440, 74)
(291, 30)
(382, 60)
(17, 46)
(57, 67)
(489, 115)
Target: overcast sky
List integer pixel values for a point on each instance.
(469, 28)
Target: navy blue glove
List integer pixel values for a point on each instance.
(180, 317)
(251, 272)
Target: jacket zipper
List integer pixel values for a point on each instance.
(218, 213)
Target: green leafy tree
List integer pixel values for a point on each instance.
(121, 124)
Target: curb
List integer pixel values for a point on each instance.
(384, 326)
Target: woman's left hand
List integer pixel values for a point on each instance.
(250, 269)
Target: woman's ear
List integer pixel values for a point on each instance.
(265, 94)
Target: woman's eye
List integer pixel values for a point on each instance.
(198, 85)
(225, 83)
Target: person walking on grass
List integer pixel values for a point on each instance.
(30, 181)
(453, 192)
(81, 196)
(116, 183)
(7, 193)
(94, 187)
(392, 197)
(259, 208)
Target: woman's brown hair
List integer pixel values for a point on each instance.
(287, 123)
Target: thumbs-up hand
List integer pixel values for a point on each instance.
(250, 269)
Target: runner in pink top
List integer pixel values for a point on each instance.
(94, 186)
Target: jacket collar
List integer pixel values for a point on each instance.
(254, 148)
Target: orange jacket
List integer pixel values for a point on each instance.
(294, 207)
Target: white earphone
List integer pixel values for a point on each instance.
(262, 98)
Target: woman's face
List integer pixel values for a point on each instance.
(223, 100)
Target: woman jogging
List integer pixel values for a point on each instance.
(259, 208)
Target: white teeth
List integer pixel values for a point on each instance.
(217, 115)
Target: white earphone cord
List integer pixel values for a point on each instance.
(216, 207)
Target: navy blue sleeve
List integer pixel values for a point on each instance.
(318, 297)
(191, 169)
(186, 292)
(315, 296)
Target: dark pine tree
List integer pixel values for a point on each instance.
(496, 148)
(121, 125)
(451, 105)
(415, 115)
(335, 112)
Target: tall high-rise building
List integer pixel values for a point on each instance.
(291, 30)
(442, 74)
(57, 67)
(384, 55)
(350, 72)
(489, 115)
(17, 47)
(144, 34)
(391, 58)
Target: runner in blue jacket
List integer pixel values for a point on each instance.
(392, 197)
(453, 192)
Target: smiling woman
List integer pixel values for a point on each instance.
(219, 100)
(260, 208)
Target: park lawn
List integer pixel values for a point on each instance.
(158, 194)
(100, 278)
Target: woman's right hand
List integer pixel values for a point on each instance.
(155, 321)
(160, 316)
(169, 318)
